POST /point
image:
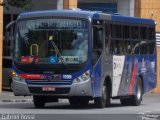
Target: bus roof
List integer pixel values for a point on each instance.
(60, 13)
(85, 15)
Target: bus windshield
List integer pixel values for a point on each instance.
(51, 41)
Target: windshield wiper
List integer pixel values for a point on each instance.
(56, 48)
(26, 43)
(59, 54)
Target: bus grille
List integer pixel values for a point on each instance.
(46, 82)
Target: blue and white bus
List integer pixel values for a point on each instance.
(83, 56)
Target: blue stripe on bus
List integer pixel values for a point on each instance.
(125, 19)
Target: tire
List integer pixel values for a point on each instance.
(38, 101)
(78, 102)
(102, 102)
(136, 99)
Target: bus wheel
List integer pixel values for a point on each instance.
(137, 98)
(38, 101)
(101, 102)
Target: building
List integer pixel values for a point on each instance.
(137, 8)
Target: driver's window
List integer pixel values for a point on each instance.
(8, 39)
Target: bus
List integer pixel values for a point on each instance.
(83, 56)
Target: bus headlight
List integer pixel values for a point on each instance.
(85, 76)
(16, 77)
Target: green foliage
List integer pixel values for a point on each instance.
(26, 4)
(18, 3)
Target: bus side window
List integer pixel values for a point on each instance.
(143, 33)
(127, 47)
(97, 43)
(135, 35)
(143, 48)
(108, 39)
(151, 47)
(151, 39)
(136, 47)
(126, 37)
(134, 32)
(118, 47)
(151, 33)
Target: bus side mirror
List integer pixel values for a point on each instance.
(7, 35)
(8, 40)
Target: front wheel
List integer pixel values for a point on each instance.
(38, 101)
(101, 102)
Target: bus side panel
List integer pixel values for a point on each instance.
(135, 67)
(126, 77)
(103, 69)
(118, 65)
(146, 68)
(148, 71)
(107, 69)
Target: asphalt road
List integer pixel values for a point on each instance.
(21, 106)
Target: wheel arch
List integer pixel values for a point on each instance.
(108, 82)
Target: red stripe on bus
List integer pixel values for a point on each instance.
(133, 78)
(31, 76)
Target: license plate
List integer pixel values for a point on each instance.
(48, 88)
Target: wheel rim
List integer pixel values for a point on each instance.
(139, 93)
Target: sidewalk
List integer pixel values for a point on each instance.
(8, 97)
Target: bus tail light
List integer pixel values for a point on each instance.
(84, 77)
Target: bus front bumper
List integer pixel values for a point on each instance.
(21, 88)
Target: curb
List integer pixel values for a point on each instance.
(17, 101)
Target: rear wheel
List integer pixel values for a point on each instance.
(135, 99)
(38, 101)
(101, 102)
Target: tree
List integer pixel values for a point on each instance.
(26, 4)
